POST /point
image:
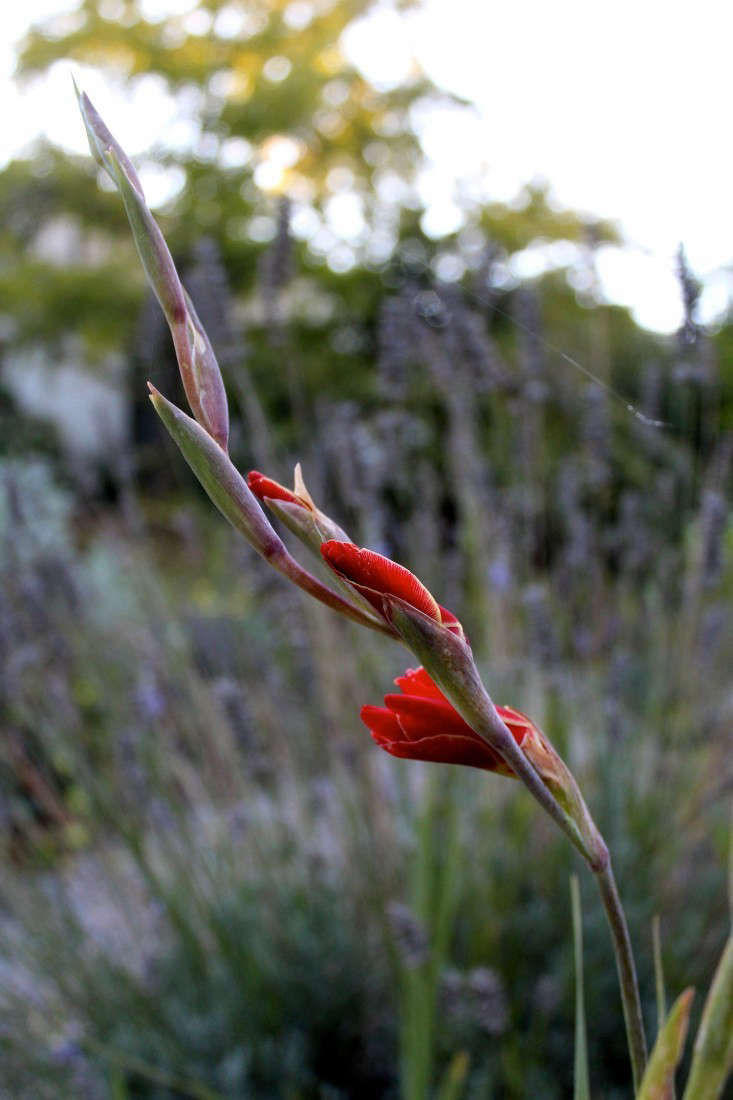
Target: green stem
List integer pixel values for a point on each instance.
(495, 732)
(626, 972)
(449, 661)
(580, 1076)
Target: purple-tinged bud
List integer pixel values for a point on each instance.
(101, 140)
(199, 369)
(150, 243)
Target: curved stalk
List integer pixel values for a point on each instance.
(626, 968)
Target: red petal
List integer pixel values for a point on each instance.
(422, 717)
(445, 749)
(382, 724)
(265, 488)
(415, 681)
(438, 729)
(374, 575)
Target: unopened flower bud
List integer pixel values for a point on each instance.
(199, 369)
(297, 510)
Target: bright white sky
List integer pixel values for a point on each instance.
(623, 108)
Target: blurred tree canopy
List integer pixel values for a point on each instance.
(300, 177)
(279, 110)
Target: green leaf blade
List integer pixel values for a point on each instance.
(658, 1080)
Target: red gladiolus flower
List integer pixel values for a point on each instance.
(421, 724)
(375, 576)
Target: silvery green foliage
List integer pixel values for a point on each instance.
(34, 511)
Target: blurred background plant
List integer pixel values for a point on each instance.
(213, 885)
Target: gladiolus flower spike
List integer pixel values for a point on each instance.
(430, 719)
(420, 724)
